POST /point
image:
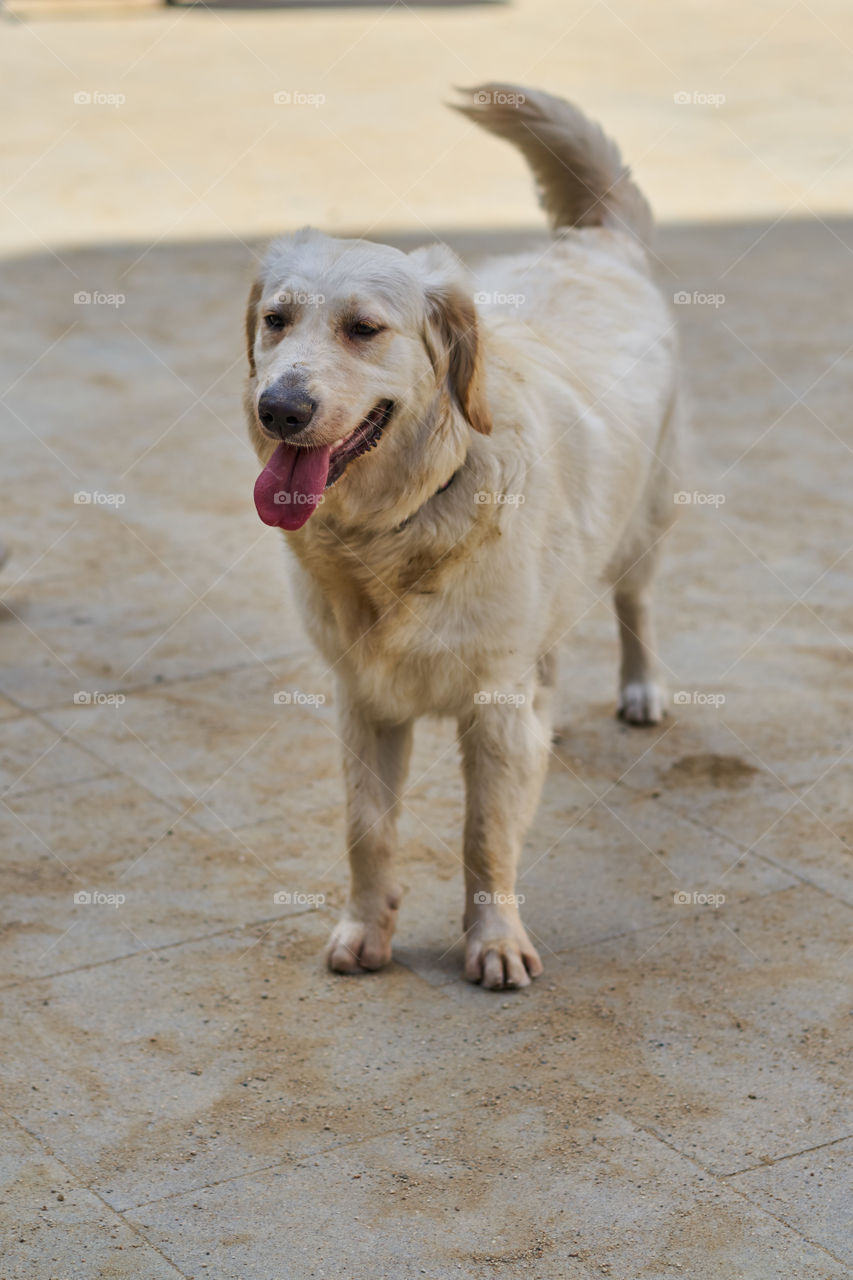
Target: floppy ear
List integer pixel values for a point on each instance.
(252, 323)
(452, 318)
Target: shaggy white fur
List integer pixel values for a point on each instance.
(547, 389)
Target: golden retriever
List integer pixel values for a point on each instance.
(451, 459)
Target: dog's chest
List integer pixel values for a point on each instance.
(405, 634)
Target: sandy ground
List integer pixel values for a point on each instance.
(185, 1091)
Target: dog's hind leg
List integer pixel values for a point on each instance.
(376, 759)
(641, 697)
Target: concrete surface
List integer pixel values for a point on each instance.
(185, 1091)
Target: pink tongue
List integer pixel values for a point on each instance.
(291, 485)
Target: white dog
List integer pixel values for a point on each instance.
(480, 451)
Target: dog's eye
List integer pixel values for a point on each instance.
(364, 329)
(273, 320)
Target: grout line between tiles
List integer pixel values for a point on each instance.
(789, 1155)
(81, 1182)
(294, 1162)
(741, 848)
(722, 1179)
(165, 946)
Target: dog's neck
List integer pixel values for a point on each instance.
(441, 489)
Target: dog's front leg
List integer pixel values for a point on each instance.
(504, 747)
(376, 758)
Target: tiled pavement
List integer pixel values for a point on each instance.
(185, 1090)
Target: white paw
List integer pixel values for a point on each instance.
(355, 947)
(360, 945)
(498, 953)
(641, 702)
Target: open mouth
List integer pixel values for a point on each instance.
(365, 437)
(292, 484)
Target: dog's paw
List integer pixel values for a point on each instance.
(500, 955)
(358, 947)
(641, 702)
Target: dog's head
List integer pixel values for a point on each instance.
(353, 348)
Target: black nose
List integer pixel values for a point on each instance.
(285, 410)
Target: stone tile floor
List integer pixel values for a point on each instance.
(185, 1090)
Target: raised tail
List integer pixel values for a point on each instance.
(579, 173)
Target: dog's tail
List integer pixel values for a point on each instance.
(579, 172)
